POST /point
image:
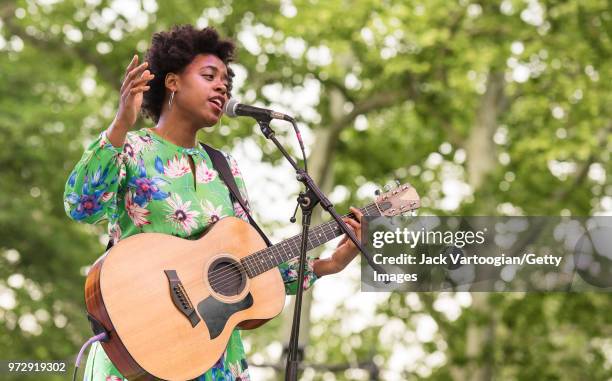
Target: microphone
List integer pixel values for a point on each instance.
(234, 108)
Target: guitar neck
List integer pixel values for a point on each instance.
(268, 258)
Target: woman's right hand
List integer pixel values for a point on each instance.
(132, 89)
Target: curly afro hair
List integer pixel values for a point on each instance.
(172, 51)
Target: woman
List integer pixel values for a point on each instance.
(160, 179)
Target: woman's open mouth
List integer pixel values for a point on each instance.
(217, 103)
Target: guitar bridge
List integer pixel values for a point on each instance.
(180, 298)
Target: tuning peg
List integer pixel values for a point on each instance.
(377, 192)
(397, 182)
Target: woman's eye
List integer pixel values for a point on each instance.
(208, 76)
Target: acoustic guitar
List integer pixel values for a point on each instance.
(169, 305)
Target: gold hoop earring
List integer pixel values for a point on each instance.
(171, 100)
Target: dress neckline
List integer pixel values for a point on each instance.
(189, 151)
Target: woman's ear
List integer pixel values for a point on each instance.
(172, 82)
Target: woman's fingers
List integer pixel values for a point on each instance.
(131, 66)
(140, 89)
(145, 77)
(357, 213)
(354, 225)
(133, 74)
(350, 221)
(134, 83)
(139, 83)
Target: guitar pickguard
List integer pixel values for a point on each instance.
(216, 313)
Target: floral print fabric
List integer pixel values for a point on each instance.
(148, 186)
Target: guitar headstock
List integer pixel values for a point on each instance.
(402, 199)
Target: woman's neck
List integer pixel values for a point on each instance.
(177, 130)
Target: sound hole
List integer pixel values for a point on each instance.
(225, 277)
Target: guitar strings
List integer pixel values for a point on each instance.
(228, 275)
(221, 274)
(217, 274)
(224, 277)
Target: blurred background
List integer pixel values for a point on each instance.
(485, 107)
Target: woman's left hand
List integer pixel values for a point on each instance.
(346, 250)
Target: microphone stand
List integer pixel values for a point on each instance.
(307, 200)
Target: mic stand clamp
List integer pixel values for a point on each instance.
(307, 200)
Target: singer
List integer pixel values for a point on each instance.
(160, 179)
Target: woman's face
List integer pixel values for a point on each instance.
(203, 89)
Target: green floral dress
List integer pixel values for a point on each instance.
(148, 186)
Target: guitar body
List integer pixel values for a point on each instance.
(141, 290)
(169, 305)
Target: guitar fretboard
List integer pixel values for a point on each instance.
(266, 259)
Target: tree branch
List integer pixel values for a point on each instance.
(338, 86)
(602, 136)
(74, 51)
(374, 102)
(6, 10)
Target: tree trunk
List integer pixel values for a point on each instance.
(480, 150)
(479, 146)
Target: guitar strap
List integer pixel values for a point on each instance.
(221, 165)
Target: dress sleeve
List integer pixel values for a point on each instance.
(289, 269)
(90, 194)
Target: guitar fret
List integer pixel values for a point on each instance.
(288, 249)
(283, 254)
(317, 233)
(292, 249)
(269, 259)
(321, 237)
(314, 237)
(254, 264)
(260, 263)
(246, 264)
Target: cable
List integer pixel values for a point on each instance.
(299, 138)
(99, 337)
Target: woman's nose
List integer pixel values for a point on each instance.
(221, 87)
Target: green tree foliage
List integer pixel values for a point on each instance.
(486, 107)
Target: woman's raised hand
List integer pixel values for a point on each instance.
(132, 89)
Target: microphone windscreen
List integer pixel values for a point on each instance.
(230, 107)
